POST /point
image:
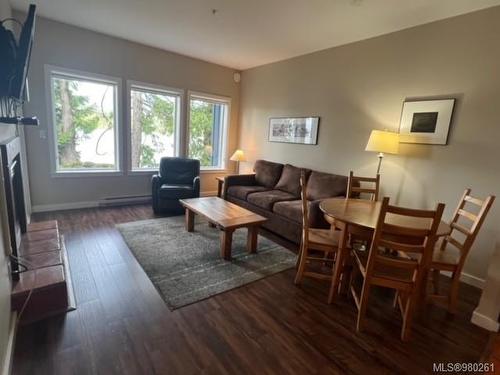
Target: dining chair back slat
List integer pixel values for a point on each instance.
(403, 247)
(356, 185)
(476, 221)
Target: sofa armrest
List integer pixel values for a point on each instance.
(196, 186)
(238, 179)
(156, 182)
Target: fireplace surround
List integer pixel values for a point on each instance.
(10, 154)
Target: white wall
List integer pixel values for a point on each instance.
(75, 48)
(361, 86)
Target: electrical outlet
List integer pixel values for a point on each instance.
(43, 134)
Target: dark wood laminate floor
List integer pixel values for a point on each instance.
(122, 326)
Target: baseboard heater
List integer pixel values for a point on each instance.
(124, 200)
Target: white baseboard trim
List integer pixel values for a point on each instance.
(9, 350)
(468, 279)
(472, 280)
(485, 322)
(63, 206)
(125, 200)
(89, 204)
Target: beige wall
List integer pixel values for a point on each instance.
(361, 86)
(75, 48)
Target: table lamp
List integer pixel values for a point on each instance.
(383, 141)
(238, 156)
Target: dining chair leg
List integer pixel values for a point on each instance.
(302, 265)
(338, 267)
(409, 309)
(353, 276)
(453, 298)
(327, 259)
(363, 304)
(334, 286)
(395, 301)
(435, 281)
(299, 255)
(346, 278)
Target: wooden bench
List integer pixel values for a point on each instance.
(47, 280)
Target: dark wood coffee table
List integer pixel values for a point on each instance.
(227, 217)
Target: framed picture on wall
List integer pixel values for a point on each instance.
(426, 121)
(302, 130)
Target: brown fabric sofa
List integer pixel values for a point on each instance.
(274, 192)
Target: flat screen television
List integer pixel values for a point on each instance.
(23, 55)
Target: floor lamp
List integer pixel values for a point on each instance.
(383, 141)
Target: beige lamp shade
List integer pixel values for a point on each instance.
(238, 155)
(383, 141)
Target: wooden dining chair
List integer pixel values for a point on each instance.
(317, 245)
(451, 253)
(398, 259)
(356, 186)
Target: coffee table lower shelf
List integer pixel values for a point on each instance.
(225, 216)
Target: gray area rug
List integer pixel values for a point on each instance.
(187, 267)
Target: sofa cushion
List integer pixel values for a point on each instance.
(176, 191)
(290, 179)
(289, 209)
(325, 185)
(241, 192)
(292, 210)
(266, 199)
(267, 173)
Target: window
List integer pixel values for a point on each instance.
(208, 125)
(154, 125)
(84, 122)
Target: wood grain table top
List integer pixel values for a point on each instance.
(225, 214)
(365, 213)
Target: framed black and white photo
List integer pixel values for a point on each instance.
(426, 121)
(302, 130)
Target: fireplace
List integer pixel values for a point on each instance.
(10, 151)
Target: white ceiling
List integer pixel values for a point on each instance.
(246, 33)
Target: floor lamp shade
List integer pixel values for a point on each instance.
(382, 141)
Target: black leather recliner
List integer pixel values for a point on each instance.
(178, 178)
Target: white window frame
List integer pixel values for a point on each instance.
(215, 99)
(153, 88)
(51, 71)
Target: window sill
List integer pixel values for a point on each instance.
(214, 170)
(78, 174)
(142, 172)
(150, 172)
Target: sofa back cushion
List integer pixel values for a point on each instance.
(325, 185)
(180, 171)
(290, 179)
(267, 173)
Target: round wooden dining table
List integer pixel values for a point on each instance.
(364, 214)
